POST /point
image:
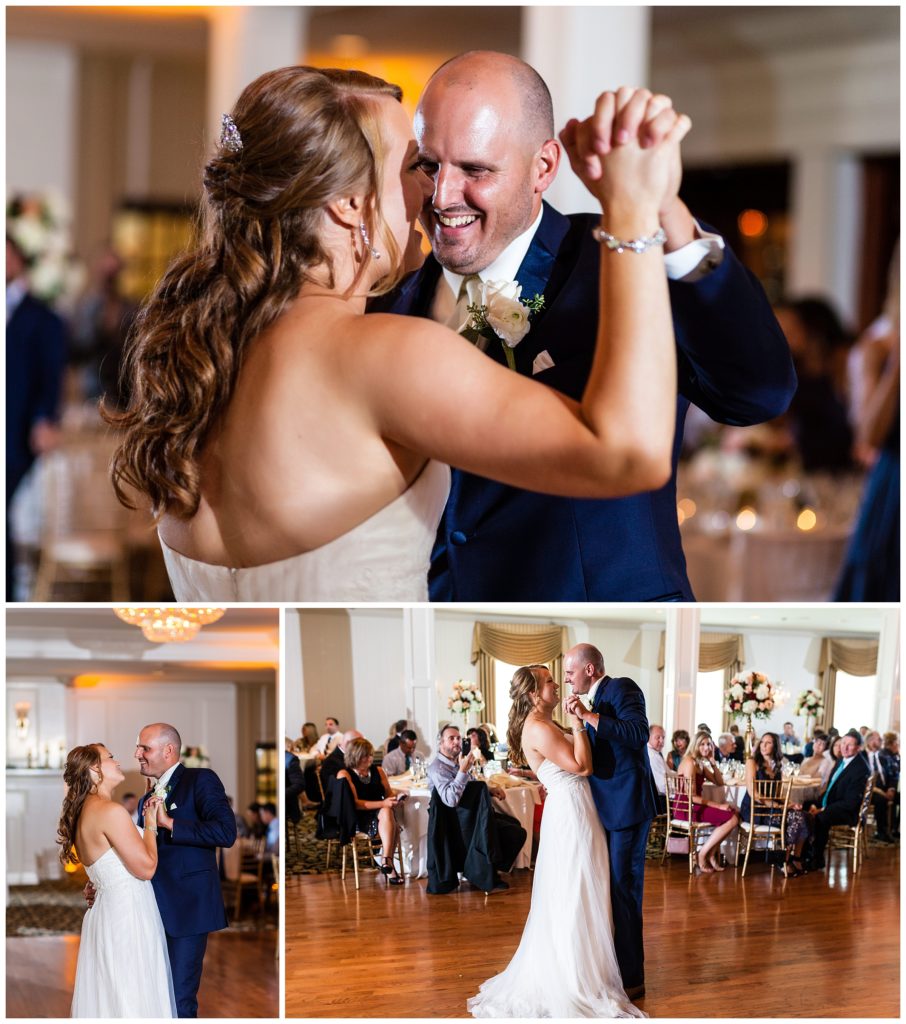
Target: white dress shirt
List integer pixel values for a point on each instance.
(658, 768)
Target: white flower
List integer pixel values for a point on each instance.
(160, 791)
(763, 692)
(457, 707)
(750, 707)
(505, 314)
(736, 691)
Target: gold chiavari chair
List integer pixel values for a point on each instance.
(769, 803)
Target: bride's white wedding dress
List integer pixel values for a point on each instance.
(123, 968)
(385, 558)
(565, 965)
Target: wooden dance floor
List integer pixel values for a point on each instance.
(240, 975)
(824, 945)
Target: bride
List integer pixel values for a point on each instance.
(123, 969)
(565, 965)
(292, 448)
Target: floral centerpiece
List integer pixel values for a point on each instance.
(809, 703)
(751, 695)
(39, 225)
(465, 698)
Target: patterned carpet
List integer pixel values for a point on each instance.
(305, 855)
(57, 908)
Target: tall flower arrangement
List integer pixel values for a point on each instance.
(465, 698)
(810, 703)
(750, 695)
(40, 225)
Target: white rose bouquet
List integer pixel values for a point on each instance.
(751, 694)
(465, 698)
(495, 311)
(809, 703)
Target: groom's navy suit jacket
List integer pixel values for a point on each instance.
(622, 785)
(187, 882)
(498, 543)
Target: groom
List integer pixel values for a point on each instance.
(194, 819)
(624, 792)
(485, 130)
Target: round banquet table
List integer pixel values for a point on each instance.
(412, 814)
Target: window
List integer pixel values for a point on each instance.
(855, 701)
(709, 701)
(503, 674)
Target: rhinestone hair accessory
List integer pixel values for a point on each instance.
(230, 139)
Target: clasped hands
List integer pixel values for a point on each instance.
(154, 811)
(572, 705)
(628, 152)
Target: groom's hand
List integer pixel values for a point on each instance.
(163, 819)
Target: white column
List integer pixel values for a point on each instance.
(293, 683)
(680, 668)
(887, 711)
(826, 235)
(651, 678)
(138, 127)
(244, 42)
(581, 52)
(421, 685)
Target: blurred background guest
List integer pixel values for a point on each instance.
(399, 759)
(817, 763)
(396, 731)
(678, 744)
(477, 742)
(656, 736)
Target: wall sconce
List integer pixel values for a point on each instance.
(22, 710)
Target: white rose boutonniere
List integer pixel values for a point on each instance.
(495, 311)
(160, 791)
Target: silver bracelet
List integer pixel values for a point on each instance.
(637, 245)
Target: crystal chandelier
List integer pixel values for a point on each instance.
(169, 625)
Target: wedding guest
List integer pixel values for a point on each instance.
(656, 737)
(697, 766)
(271, 822)
(809, 749)
(399, 759)
(890, 753)
(789, 743)
(253, 821)
(308, 739)
(491, 733)
(765, 765)
(130, 802)
(448, 776)
(477, 741)
(835, 750)
(396, 730)
(726, 747)
(819, 763)
(739, 741)
(329, 738)
(679, 741)
(374, 801)
(884, 791)
(842, 798)
(502, 543)
(294, 786)
(35, 364)
(335, 762)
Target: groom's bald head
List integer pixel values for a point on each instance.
(157, 749)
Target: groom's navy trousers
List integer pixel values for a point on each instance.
(501, 543)
(187, 882)
(625, 796)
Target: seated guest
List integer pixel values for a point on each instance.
(740, 743)
(396, 731)
(476, 742)
(491, 733)
(818, 763)
(789, 737)
(294, 782)
(271, 824)
(890, 754)
(253, 821)
(765, 765)
(726, 747)
(679, 742)
(308, 741)
(842, 798)
(374, 801)
(698, 765)
(809, 749)
(656, 737)
(835, 752)
(399, 759)
(332, 765)
(884, 792)
(329, 738)
(448, 776)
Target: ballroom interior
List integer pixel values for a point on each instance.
(713, 941)
(81, 675)
(794, 158)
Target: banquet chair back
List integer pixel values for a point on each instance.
(243, 868)
(84, 534)
(681, 823)
(341, 817)
(855, 837)
(766, 828)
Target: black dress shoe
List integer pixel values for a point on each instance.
(501, 886)
(635, 991)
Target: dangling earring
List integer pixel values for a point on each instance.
(375, 255)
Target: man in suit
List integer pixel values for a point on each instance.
(399, 759)
(884, 792)
(193, 821)
(624, 791)
(295, 785)
(35, 361)
(485, 130)
(842, 798)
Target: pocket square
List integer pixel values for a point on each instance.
(541, 362)
(172, 807)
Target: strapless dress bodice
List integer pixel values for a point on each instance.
(553, 777)
(384, 558)
(109, 872)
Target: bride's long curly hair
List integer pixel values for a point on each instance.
(308, 136)
(523, 686)
(79, 786)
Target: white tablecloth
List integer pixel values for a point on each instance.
(412, 814)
